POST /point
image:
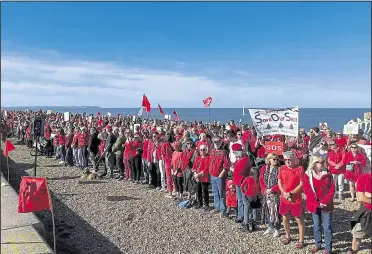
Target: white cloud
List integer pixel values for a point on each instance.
(59, 80)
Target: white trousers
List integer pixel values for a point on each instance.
(339, 182)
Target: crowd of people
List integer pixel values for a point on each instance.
(182, 159)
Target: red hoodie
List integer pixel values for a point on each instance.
(145, 149)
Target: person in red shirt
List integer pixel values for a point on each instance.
(203, 141)
(146, 171)
(153, 158)
(231, 199)
(127, 154)
(61, 145)
(290, 185)
(240, 169)
(136, 158)
(362, 230)
(319, 189)
(341, 140)
(75, 147)
(201, 175)
(337, 167)
(166, 154)
(270, 191)
(219, 165)
(355, 161)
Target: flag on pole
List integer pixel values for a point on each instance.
(8, 147)
(176, 118)
(33, 195)
(5, 113)
(140, 112)
(161, 110)
(207, 102)
(146, 104)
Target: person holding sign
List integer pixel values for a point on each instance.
(290, 185)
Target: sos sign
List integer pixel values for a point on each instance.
(274, 147)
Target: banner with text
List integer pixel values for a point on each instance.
(274, 147)
(275, 121)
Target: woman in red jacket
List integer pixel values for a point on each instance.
(166, 154)
(319, 188)
(336, 166)
(201, 175)
(271, 193)
(355, 161)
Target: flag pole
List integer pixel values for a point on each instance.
(7, 163)
(209, 114)
(53, 222)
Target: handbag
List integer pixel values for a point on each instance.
(350, 167)
(256, 203)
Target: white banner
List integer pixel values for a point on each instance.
(49, 112)
(282, 121)
(140, 112)
(323, 126)
(66, 116)
(108, 114)
(351, 128)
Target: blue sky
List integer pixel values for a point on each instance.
(312, 54)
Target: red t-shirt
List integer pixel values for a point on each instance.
(364, 185)
(201, 165)
(318, 187)
(290, 179)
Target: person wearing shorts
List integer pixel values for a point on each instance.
(290, 184)
(363, 189)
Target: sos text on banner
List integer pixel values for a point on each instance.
(282, 121)
(274, 147)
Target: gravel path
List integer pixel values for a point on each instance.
(108, 216)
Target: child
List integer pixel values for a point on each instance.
(231, 199)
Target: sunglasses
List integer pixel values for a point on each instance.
(287, 159)
(203, 150)
(275, 159)
(239, 134)
(354, 147)
(188, 143)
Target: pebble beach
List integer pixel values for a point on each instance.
(108, 216)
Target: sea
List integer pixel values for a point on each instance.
(336, 118)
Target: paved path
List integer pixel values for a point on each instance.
(20, 232)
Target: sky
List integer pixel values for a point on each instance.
(252, 54)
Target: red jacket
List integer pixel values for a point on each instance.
(166, 151)
(231, 199)
(150, 151)
(241, 170)
(261, 152)
(133, 145)
(61, 140)
(274, 189)
(75, 140)
(250, 186)
(335, 157)
(202, 165)
(327, 190)
(218, 160)
(145, 148)
(127, 152)
(82, 139)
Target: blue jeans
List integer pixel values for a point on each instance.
(326, 219)
(219, 193)
(250, 214)
(240, 195)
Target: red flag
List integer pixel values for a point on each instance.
(176, 118)
(207, 102)
(146, 104)
(161, 110)
(98, 113)
(8, 147)
(33, 195)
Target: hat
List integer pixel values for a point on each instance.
(229, 183)
(237, 147)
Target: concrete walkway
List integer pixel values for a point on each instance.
(20, 232)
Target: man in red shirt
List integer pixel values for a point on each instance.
(290, 185)
(219, 165)
(361, 230)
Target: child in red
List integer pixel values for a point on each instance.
(231, 199)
